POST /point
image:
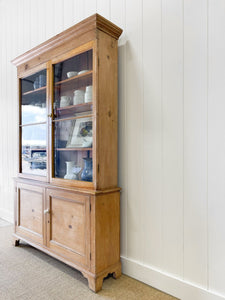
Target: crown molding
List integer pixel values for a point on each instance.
(92, 23)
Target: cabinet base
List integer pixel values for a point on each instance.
(95, 281)
(15, 242)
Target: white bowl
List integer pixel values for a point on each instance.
(71, 74)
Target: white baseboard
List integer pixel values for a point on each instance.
(165, 282)
(6, 215)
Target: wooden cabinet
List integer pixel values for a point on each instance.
(67, 198)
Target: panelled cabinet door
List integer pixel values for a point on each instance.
(30, 219)
(68, 229)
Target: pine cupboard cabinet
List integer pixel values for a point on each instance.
(67, 202)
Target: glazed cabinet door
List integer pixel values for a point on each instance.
(33, 125)
(73, 118)
(68, 230)
(29, 212)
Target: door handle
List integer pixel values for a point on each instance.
(46, 211)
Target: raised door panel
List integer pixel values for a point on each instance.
(69, 225)
(30, 212)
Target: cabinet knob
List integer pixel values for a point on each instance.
(46, 211)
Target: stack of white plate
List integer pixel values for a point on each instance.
(88, 94)
(78, 97)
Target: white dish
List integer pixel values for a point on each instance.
(82, 72)
(71, 74)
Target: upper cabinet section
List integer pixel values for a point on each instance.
(68, 112)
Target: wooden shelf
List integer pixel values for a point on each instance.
(72, 109)
(42, 89)
(76, 82)
(75, 78)
(73, 149)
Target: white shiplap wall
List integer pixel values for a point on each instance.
(171, 130)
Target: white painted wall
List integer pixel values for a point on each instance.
(171, 130)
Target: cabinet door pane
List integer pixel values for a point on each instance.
(34, 149)
(33, 98)
(73, 93)
(73, 149)
(72, 118)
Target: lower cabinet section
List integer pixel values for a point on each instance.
(68, 225)
(80, 228)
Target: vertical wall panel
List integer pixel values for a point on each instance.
(90, 7)
(134, 106)
(216, 142)
(32, 26)
(103, 8)
(50, 19)
(118, 13)
(152, 133)
(172, 141)
(68, 7)
(58, 16)
(195, 141)
(78, 10)
(4, 104)
(1, 102)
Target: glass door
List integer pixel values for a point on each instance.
(73, 118)
(32, 125)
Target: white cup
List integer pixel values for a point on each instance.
(78, 97)
(88, 94)
(89, 89)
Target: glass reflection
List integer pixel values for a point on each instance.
(33, 98)
(34, 149)
(33, 113)
(73, 149)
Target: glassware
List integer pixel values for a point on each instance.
(86, 174)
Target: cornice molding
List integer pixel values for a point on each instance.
(94, 22)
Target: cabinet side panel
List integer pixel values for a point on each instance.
(107, 112)
(107, 222)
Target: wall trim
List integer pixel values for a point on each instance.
(6, 215)
(167, 283)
